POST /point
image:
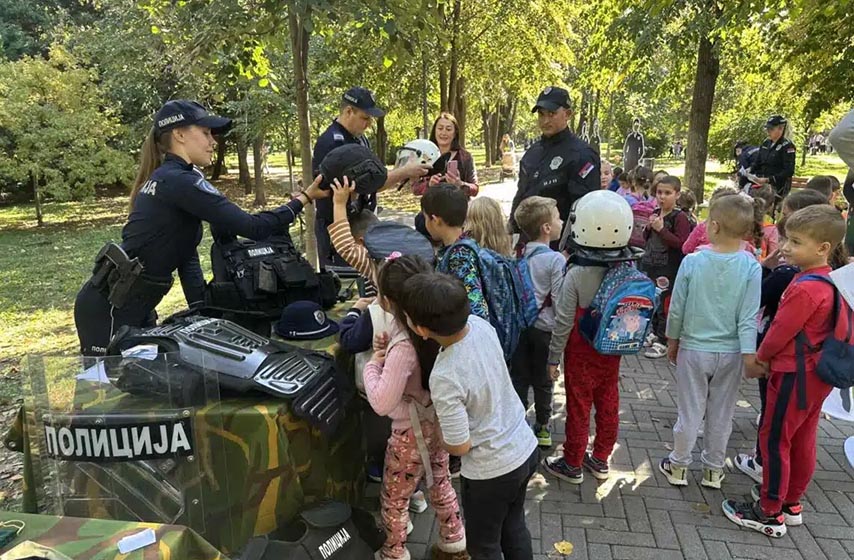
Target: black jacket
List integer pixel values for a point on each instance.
(562, 167)
(776, 161)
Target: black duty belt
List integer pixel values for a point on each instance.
(123, 282)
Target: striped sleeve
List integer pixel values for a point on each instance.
(355, 255)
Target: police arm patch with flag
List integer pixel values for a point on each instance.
(585, 170)
(204, 186)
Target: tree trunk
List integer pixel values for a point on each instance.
(425, 118)
(708, 68)
(487, 143)
(453, 83)
(495, 136)
(243, 166)
(258, 158)
(37, 198)
(382, 139)
(461, 108)
(289, 155)
(443, 88)
(219, 165)
(609, 123)
(299, 47)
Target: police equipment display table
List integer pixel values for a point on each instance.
(97, 539)
(230, 468)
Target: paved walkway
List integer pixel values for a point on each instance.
(636, 514)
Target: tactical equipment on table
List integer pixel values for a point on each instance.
(242, 361)
(260, 278)
(324, 532)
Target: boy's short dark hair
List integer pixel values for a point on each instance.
(532, 213)
(623, 178)
(803, 198)
(734, 214)
(436, 301)
(819, 222)
(361, 221)
(822, 184)
(618, 171)
(671, 181)
(835, 185)
(446, 201)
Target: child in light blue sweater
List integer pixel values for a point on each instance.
(711, 332)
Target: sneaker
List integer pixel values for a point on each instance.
(793, 513)
(557, 466)
(750, 515)
(417, 502)
(650, 339)
(409, 527)
(599, 469)
(454, 466)
(657, 350)
(544, 436)
(748, 465)
(374, 472)
(677, 476)
(712, 478)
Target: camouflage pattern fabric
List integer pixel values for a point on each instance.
(254, 466)
(96, 539)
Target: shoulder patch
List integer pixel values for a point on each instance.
(337, 137)
(585, 170)
(204, 186)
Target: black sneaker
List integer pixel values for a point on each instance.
(599, 469)
(750, 515)
(557, 466)
(793, 513)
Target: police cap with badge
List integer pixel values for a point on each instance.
(363, 99)
(182, 112)
(551, 99)
(774, 121)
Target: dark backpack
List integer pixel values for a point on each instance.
(836, 362)
(261, 278)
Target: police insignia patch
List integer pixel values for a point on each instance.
(547, 91)
(585, 170)
(204, 186)
(320, 317)
(555, 163)
(778, 147)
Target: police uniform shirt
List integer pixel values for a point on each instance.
(164, 227)
(562, 167)
(334, 136)
(776, 161)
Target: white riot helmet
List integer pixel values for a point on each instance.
(424, 151)
(601, 220)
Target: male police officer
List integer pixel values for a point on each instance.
(358, 109)
(775, 162)
(559, 165)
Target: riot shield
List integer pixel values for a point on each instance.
(121, 438)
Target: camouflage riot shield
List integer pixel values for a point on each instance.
(118, 438)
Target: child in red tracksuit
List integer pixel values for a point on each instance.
(600, 219)
(787, 439)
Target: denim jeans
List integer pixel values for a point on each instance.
(494, 512)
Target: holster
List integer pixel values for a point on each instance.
(121, 279)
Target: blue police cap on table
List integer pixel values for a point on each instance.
(775, 120)
(384, 238)
(357, 163)
(182, 112)
(363, 99)
(551, 99)
(305, 320)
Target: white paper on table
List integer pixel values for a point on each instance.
(95, 373)
(143, 351)
(751, 177)
(844, 280)
(137, 541)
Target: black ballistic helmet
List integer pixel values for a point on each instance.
(357, 163)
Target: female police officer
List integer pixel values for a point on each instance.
(169, 200)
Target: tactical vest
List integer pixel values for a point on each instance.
(262, 277)
(241, 361)
(326, 532)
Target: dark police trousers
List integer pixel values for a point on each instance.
(494, 512)
(97, 320)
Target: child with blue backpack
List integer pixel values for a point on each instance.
(711, 331)
(599, 268)
(539, 220)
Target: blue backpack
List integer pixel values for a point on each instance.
(836, 363)
(618, 319)
(508, 291)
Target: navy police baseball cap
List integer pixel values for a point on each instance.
(182, 112)
(363, 99)
(775, 120)
(551, 99)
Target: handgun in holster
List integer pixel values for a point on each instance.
(116, 272)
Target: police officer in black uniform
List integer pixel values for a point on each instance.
(559, 165)
(775, 162)
(358, 110)
(169, 201)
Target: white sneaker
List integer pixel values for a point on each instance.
(417, 502)
(677, 476)
(712, 478)
(748, 465)
(650, 338)
(657, 350)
